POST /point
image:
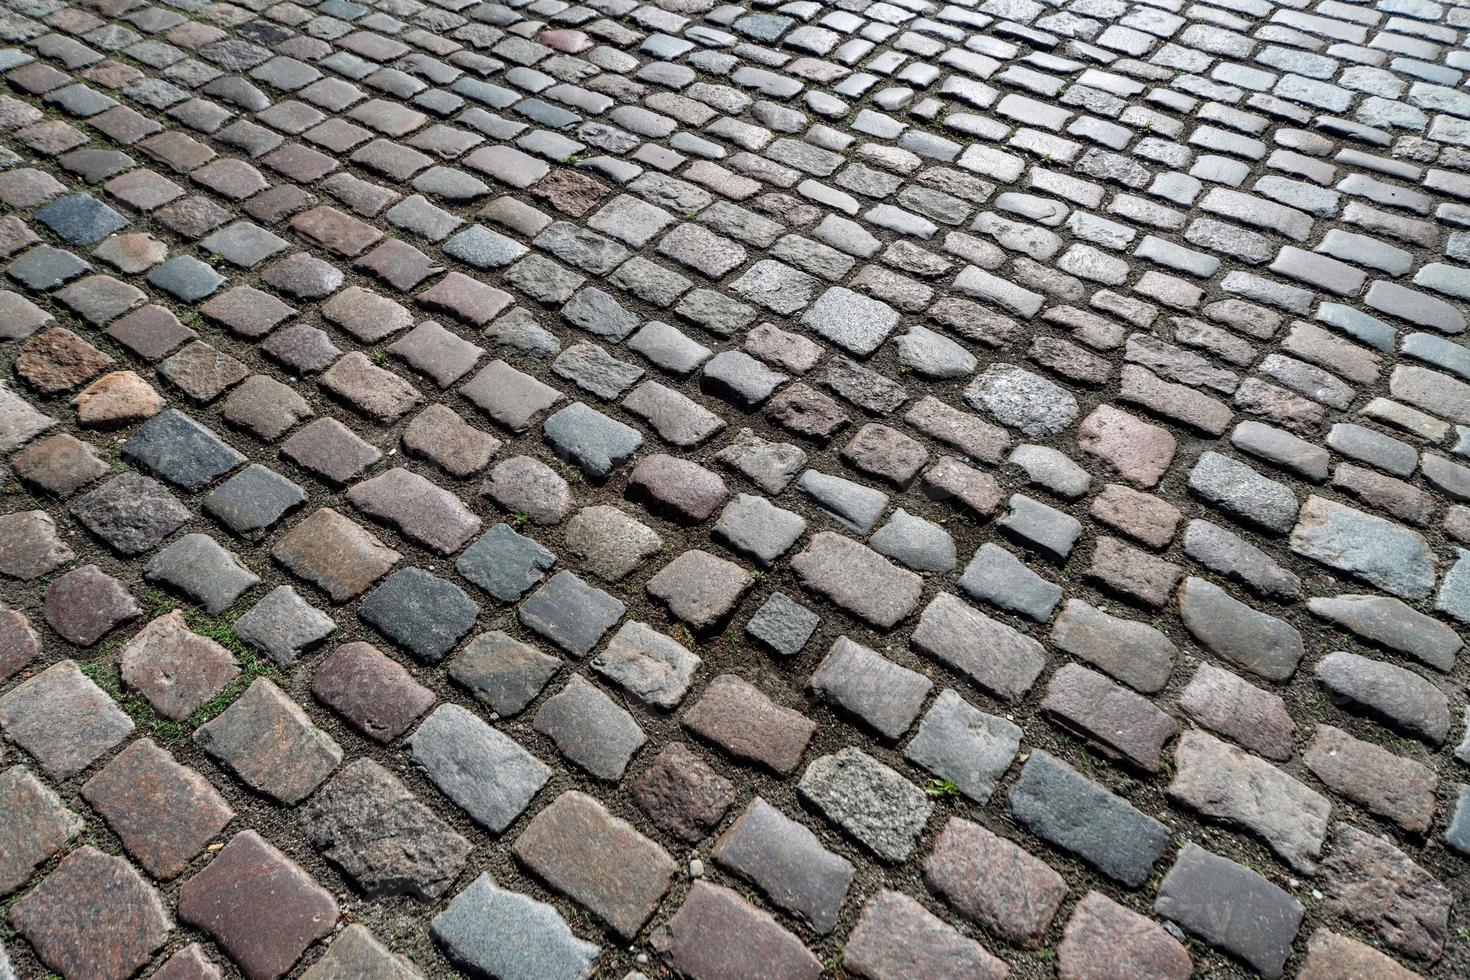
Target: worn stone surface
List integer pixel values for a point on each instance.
(497, 932)
(64, 720)
(1226, 784)
(897, 937)
(165, 813)
(994, 882)
(1372, 883)
(487, 773)
(270, 743)
(597, 859)
(1231, 907)
(383, 838)
(261, 907)
(94, 916)
(1091, 370)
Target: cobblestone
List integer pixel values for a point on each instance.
(949, 384)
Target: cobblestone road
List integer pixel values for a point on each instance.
(891, 489)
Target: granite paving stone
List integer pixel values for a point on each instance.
(63, 719)
(995, 389)
(994, 882)
(92, 916)
(422, 612)
(494, 931)
(270, 743)
(165, 813)
(1232, 907)
(37, 826)
(597, 859)
(491, 776)
(366, 822)
(261, 907)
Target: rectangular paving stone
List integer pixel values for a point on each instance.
(597, 859)
(484, 771)
(1231, 907)
(1064, 807)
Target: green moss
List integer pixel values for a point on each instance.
(102, 668)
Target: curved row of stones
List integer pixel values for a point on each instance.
(898, 488)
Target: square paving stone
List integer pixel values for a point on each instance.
(491, 931)
(594, 442)
(64, 720)
(504, 563)
(382, 837)
(331, 450)
(80, 219)
(880, 808)
(303, 349)
(571, 613)
(421, 612)
(203, 372)
(490, 775)
(335, 554)
(503, 673)
(441, 354)
(282, 625)
(30, 546)
(379, 697)
(598, 860)
(175, 669)
(355, 952)
(783, 624)
(164, 813)
(101, 299)
(968, 747)
(57, 360)
(366, 315)
(609, 543)
(199, 567)
(252, 501)
(508, 396)
(36, 826)
(44, 267)
(699, 588)
(261, 907)
(244, 244)
(787, 862)
(270, 744)
(247, 311)
(754, 526)
(175, 447)
(590, 729)
(185, 278)
(649, 665)
(94, 916)
(130, 512)
(681, 793)
(151, 332)
(855, 323)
